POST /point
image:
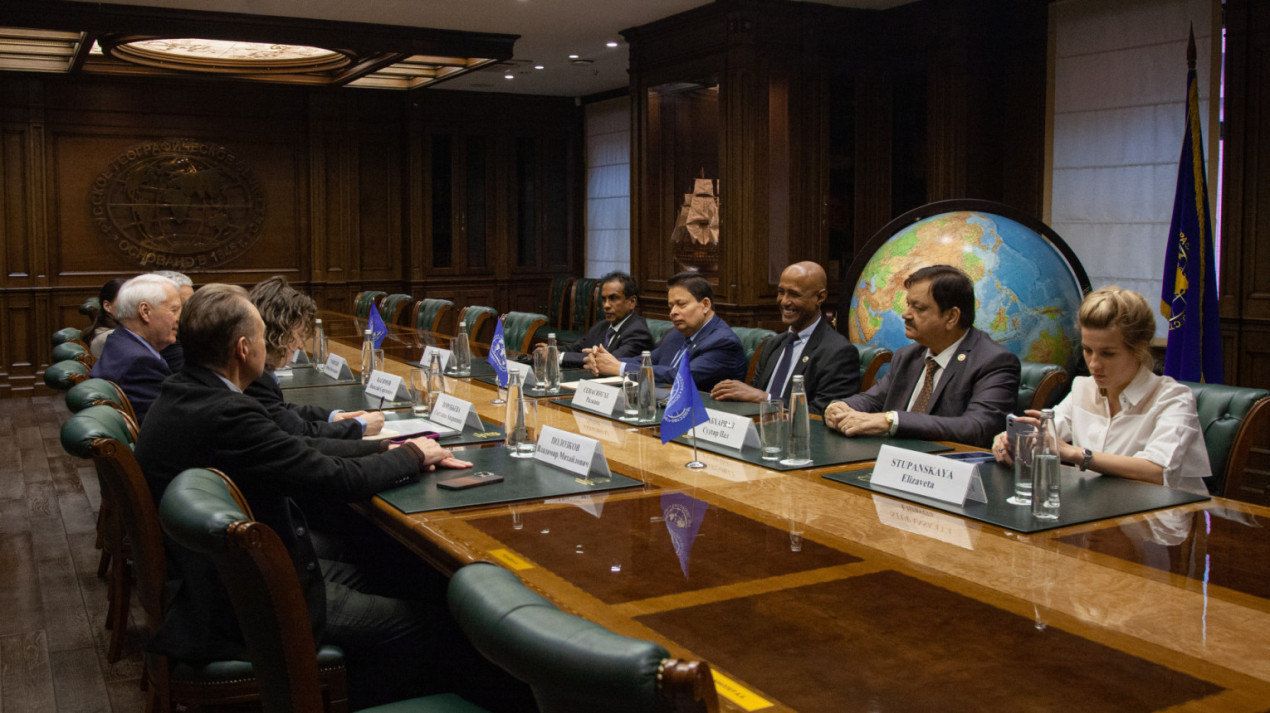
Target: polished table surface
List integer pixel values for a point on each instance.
(810, 595)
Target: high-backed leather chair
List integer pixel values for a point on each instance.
(63, 375)
(570, 663)
(363, 301)
(90, 307)
(1233, 419)
(203, 511)
(558, 301)
(72, 350)
(170, 684)
(394, 306)
(872, 358)
(433, 315)
(586, 291)
(99, 392)
(1040, 386)
(658, 329)
(519, 328)
(478, 322)
(67, 334)
(752, 339)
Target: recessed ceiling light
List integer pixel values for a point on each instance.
(508, 76)
(611, 44)
(573, 56)
(539, 66)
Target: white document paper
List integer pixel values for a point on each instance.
(455, 413)
(568, 451)
(408, 426)
(596, 397)
(336, 367)
(728, 430)
(601, 380)
(383, 385)
(930, 475)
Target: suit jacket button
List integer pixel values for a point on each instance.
(312, 566)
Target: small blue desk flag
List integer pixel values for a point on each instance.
(497, 357)
(378, 330)
(1189, 296)
(684, 410)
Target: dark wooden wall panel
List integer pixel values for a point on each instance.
(13, 226)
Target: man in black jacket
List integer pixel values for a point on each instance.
(623, 333)
(395, 646)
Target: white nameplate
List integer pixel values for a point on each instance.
(526, 373)
(596, 397)
(336, 367)
(601, 428)
(455, 413)
(426, 359)
(385, 386)
(728, 430)
(929, 475)
(568, 451)
(300, 357)
(923, 521)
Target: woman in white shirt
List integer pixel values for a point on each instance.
(1122, 419)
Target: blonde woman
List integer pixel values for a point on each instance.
(1122, 419)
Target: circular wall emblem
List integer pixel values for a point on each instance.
(178, 204)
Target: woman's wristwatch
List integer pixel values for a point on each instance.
(1085, 460)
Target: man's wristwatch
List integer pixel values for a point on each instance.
(891, 418)
(1086, 459)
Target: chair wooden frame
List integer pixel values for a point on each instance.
(1255, 425)
(754, 359)
(1051, 381)
(870, 376)
(443, 313)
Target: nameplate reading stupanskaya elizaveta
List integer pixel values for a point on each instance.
(928, 475)
(455, 413)
(568, 451)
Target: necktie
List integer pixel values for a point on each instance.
(777, 386)
(680, 355)
(928, 385)
(608, 337)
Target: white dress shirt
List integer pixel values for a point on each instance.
(1157, 421)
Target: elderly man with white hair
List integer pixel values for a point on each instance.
(174, 354)
(148, 309)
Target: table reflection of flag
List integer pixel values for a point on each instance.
(684, 409)
(497, 356)
(682, 514)
(1188, 299)
(378, 330)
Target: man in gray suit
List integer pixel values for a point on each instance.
(954, 384)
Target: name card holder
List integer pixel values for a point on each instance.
(426, 360)
(576, 454)
(728, 430)
(455, 413)
(928, 475)
(595, 397)
(336, 367)
(385, 386)
(299, 358)
(527, 378)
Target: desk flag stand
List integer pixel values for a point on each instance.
(684, 411)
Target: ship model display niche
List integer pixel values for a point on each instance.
(695, 239)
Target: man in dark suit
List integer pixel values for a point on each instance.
(148, 309)
(828, 363)
(396, 644)
(623, 333)
(715, 351)
(954, 384)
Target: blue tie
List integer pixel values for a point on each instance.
(783, 368)
(680, 355)
(608, 337)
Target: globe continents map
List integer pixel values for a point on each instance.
(1026, 295)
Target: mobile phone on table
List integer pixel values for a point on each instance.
(479, 478)
(1014, 427)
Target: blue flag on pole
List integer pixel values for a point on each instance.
(497, 356)
(377, 328)
(1188, 299)
(684, 410)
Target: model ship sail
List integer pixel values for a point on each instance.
(696, 235)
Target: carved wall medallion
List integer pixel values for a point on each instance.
(178, 204)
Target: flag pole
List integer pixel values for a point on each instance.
(695, 463)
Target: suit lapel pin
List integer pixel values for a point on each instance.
(806, 359)
(961, 357)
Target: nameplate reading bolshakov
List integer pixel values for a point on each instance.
(928, 475)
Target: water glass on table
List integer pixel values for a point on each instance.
(772, 422)
(522, 432)
(420, 396)
(461, 355)
(1024, 450)
(540, 369)
(630, 397)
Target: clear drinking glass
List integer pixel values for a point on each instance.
(1024, 451)
(540, 369)
(1046, 483)
(461, 355)
(436, 381)
(420, 401)
(799, 437)
(772, 422)
(630, 397)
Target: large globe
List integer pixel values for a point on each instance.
(1026, 295)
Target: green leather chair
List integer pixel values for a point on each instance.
(63, 375)
(1040, 386)
(73, 351)
(586, 297)
(67, 334)
(570, 663)
(872, 359)
(363, 301)
(478, 322)
(433, 315)
(658, 328)
(101, 392)
(752, 339)
(90, 307)
(394, 308)
(1233, 419)
(519, 329)
(559, 300)
(203, 511)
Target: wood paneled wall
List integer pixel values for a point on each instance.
(343, 176)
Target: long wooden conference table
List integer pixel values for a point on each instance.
(806, 594)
